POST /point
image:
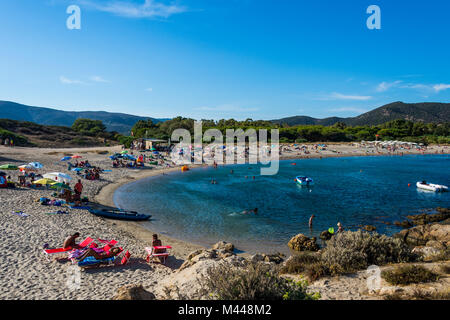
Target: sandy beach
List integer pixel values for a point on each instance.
(25, 272)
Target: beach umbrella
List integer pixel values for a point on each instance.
(124, 152)
(58, 176)
(65, 158)
(8, 167)
(37, 165)
(59, 185)
(44, 181)
(77, 169)
(26, 167)
(76, 157)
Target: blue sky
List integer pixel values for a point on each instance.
(218, 59)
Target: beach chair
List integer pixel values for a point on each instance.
(125, 258)
(161, 255)
(93, 262)
(82, 245)
(108, 242)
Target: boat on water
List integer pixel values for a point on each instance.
(120, 214)
(304, 181)
(431, 186)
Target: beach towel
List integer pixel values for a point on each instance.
(92, 261)
(58, 212)
(20, 214)
(80, 207)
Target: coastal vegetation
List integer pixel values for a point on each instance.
(339, 132)
(257, 281)
(409, 274)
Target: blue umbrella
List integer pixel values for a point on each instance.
(66, 158)
(77, 169)
(37, 165)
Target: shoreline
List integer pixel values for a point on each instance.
(106, 194)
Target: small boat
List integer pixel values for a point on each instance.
(431, 186)
(120, 214)
(304, 181)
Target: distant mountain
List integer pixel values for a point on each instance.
(119, 122)
(428, 112)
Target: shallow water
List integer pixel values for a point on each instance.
(354, 190)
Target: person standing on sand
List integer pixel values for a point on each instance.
(311, 221)
(340, 227)
(78, 188)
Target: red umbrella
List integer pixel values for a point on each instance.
(76, 157)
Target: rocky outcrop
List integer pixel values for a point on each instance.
(276, 258)
(302, 243)
(421, 235)
(220, 250)
(427, 253)
(133, 292)
(369, 228)
(325, 235)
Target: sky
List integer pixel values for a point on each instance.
(214, 59)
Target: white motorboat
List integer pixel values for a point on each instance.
(431, 186)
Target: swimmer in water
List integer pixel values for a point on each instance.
(255, 211)
(311, 221)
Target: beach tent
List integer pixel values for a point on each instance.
(37, 165)
(66, 158)
(44, 181)
(58, 176)
(8, 167)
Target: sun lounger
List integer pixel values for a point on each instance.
(91, 261)
(152, 254)
(83, 244)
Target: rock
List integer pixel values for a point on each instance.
(420, 235)
(276, 258)
(427, 253)
(403, 224)
(223, 245)
(325, 235)
(194, 253)
(133, 292)
(257, 258)
(424, 218)
(435, 244)
(370, 228)
(301, 242)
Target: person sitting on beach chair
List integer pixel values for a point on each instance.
(157, 243)
(70, 241)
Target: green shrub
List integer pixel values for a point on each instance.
(298, 263)
(257, 281)
(351, 251)
(409, 274)
(445, 269)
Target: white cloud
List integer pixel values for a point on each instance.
(340, 96)
(99, 79)
(66, 80)
(131, 9)
(441, 87)
(384, 86)
(149, 89)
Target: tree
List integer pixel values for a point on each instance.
(88, 126)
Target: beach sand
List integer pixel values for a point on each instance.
(26, 273)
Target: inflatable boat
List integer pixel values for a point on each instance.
(304, 181)
(120, 214)
(431, 187)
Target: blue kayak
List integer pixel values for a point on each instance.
(120, 214)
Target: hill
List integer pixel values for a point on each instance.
(428, 112)
(119, 122)
(29, 134)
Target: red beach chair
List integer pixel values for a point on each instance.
(83, 244)
(152, 254)
(125, 258)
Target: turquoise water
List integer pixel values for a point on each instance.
(354, 190)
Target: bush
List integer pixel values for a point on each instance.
(299, 263)
(409, 274)
(351, 251)
(258, 281)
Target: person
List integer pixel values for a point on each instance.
(99, 254)
(340, 227)
(157, 243)
(255, 211)
(3, 182)
(78, 188)
(70, 241)
(311, 221)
